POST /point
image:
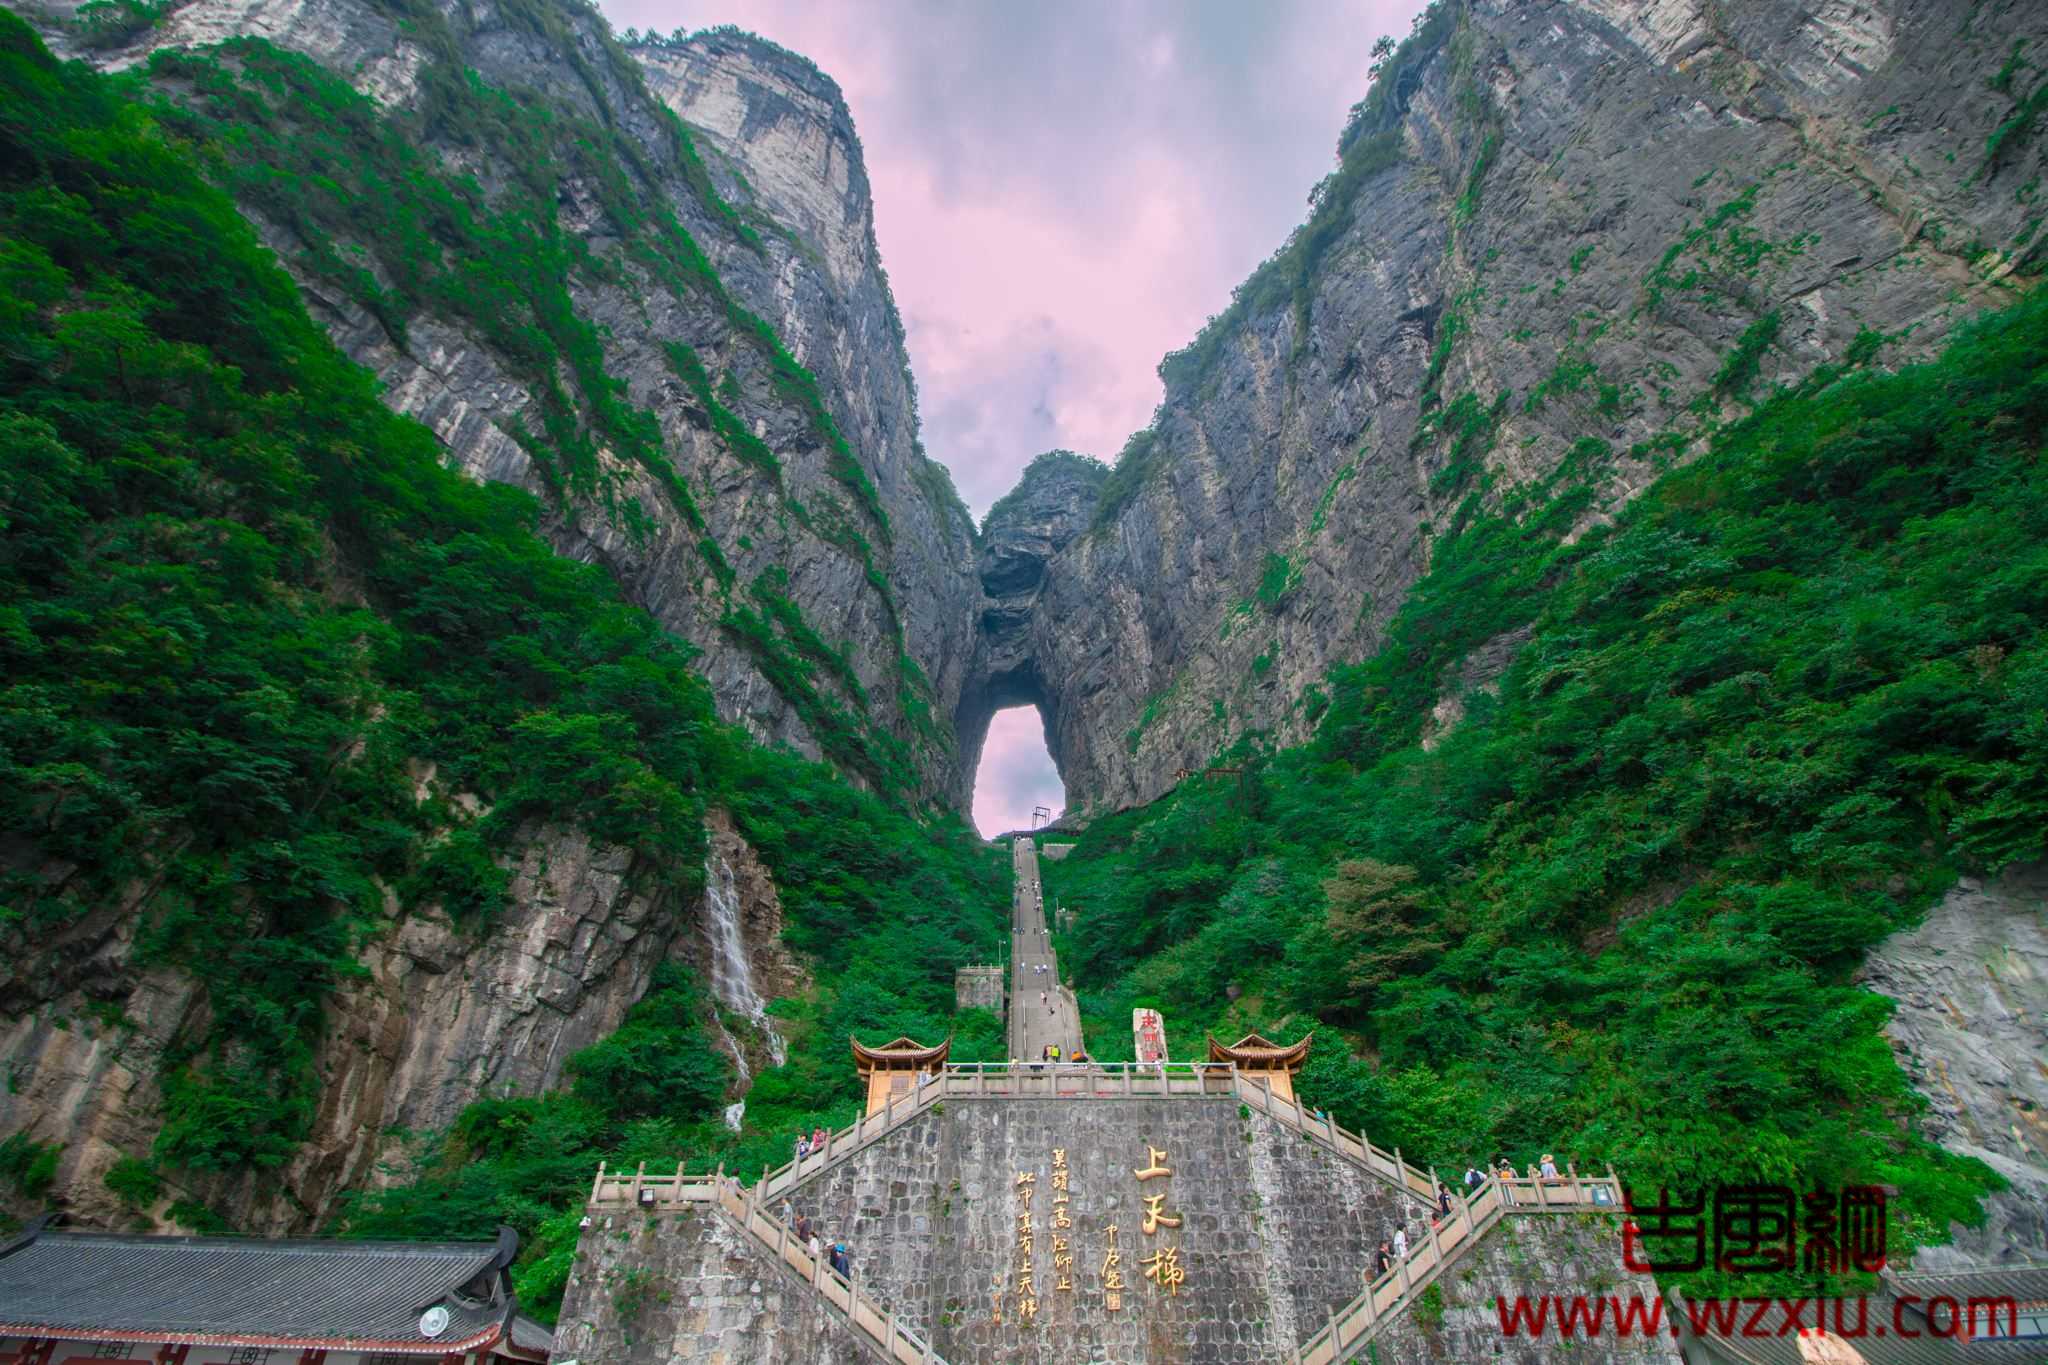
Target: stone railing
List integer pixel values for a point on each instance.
(1003, 1081)
(1327, 1132)
(1353, 1326)
(1038, 1081)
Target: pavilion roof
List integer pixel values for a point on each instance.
(316, 1293)
(1253, 1050)
(901, 1052)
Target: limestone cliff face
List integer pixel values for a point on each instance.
(786, 223)
(442, 1015)
(1592, 206)
(1971, 1029)
(800, 356)
(783, 143)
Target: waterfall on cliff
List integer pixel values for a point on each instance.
(732, 974)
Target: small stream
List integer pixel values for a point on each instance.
(732, 975)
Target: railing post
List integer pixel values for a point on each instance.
(1542, 1199)
(639, 1177)
(1401, 1265)
(679, 1182)
(597, 1190)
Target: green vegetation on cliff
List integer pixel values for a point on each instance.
(1760, 722)
(245, 611)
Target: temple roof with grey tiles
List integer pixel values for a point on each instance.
(394, 1297)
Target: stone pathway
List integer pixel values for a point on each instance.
(1042, 1011)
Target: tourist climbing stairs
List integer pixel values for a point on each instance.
(1353, 1327)
(744, 1209)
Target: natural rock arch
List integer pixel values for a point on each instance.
(1053, 502)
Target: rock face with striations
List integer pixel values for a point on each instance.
(442, 1014)
(749, 473)
(1971, 1030)
(1571, 239)
(763, 479)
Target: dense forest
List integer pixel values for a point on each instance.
(1762, 719)
(242, 605)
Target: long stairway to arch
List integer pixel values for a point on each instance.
(1043, 1013)
(885, 1312)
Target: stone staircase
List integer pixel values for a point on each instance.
(741, 1207)
(1358, 1322)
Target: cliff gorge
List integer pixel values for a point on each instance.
(1567, 244)
(1567, 241)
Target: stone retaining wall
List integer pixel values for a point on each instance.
(1274, 1233)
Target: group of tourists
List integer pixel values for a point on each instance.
(806, 1143)
(1393, 1250)
(1543, 1169)
(839, 1256)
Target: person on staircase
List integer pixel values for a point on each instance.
(1401, 1242)
(1382, 1261)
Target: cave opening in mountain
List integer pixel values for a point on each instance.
(1016, 774)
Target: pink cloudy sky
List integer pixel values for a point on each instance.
(1063, 193)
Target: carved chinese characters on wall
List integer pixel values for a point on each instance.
(1163, 1266)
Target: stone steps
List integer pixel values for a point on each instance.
(875, 1324)
(1356, 1324)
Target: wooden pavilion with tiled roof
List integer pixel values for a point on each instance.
(95, 1298)
(892, 1068)
(1261, 1059)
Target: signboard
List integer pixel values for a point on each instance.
(1148, 1029)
